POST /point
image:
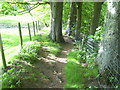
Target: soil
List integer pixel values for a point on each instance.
(49, 70)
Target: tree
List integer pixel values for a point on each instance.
(56, 21)
(71, 19)
(108, 58)
(78, 22)
(95, 17)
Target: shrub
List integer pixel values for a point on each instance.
(10, 79)
(30, 52)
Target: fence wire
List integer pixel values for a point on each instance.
(110, 77)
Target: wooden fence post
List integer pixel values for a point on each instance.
(29, 32)
(2, 52)
(20, 33)
(34, 28)
(38, 25)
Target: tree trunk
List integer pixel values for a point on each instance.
(95, 17)
(71, 19)
(56, 21)
(108, 58)
(79, 17)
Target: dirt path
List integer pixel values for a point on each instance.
(49, 71)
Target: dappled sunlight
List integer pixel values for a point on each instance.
(59, 44)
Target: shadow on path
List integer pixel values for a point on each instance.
(49, 70)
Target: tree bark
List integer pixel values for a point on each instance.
(95, 17)
(108, 58)
(56, 21)
(71, 19)
(78, 22)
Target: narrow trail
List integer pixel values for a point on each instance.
(50, 69)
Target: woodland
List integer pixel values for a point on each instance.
(62, 45)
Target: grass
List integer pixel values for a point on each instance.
(52, 47)
(12, 40)
(11, 45)
(13, 20)
(78, 74)
(9, 22)
(29, 54)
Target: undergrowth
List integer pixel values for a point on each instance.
(24, 60)
(80, 69)
(29, 52)
(53, 47)
(77, 71)
(11, 46)
(10, 79)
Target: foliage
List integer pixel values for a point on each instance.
(66, 9)
(87, 14)
(11, 46)
(77, 71)
(10, 79)
(43, 14)
(87, 9)
(80, 68)
(29, 52)
(98, 34)
(29, 55)
(103, 14)
(10, 9)
(52, 47)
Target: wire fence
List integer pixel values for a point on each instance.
(109, 75)
(30, 29)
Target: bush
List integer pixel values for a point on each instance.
(10, 79)
(30, 52)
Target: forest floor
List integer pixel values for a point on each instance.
(49, 70)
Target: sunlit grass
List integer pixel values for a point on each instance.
(11, 44)
(13, 20)
(9, 22)
(29, 54)
(73, 72)
(52, 47)
(76, 74)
